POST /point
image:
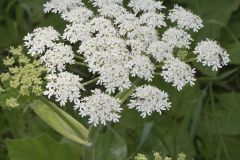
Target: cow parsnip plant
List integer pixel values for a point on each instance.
(123, 47)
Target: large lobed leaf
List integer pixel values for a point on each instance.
(42, 147)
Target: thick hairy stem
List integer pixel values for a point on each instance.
(92, 136)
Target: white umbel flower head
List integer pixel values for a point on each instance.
(136, 46)
(210, 54)
(60, 6)
(108, 57)
(145, 5)
(41, 39)
(64, 87)
(142, 67)
(77, 15)
(115, 77)
(185, 19)
(177, 38)
(126, 23)
(77, 32)
(112, 10)
(148, 99)
(160, 50)
(56, 58)
(178, 73)
(100, 107)
(145, 34)
(102, 27)
(153, 19)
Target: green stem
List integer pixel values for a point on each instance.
(91, 81)
(89, 150)
(81, 64)
(123, 96)
(126, 95)
(191, 60)
(92, 136)
(79, 57)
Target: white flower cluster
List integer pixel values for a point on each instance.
(77, 15)
(210, 54)
(56, 58)
(160, 50)
(177, 38)
(60, 6)
(185, 19)
(178, 73)
(100, 107)
(145, 5)
(120, 45)
(41, 39)
(148, 99)
(64, 86)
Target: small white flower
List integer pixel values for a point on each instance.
(136, 46)
(77, 15)
(126, 23)
(41, 39)
(112, 11)
(145, 34)
(103, 3)
(77, 32)
(142, 67)
(148, 99)
(64, 87)
(102, 27)
(112, 45)
(185, 19)
(60, 6)
(177, 38)
(56, 58)
(145, 5)
(115, 77)
(153, 19)
(210, 54)
(178, 73)
(100, 107)
(160, 50)
(108, 57)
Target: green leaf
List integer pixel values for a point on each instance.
(42, 147)
(62, 122)
(234, 51)
(227, 116)
(110, 146)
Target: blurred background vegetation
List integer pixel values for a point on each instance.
(203, 122)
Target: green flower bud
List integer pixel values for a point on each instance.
(24, 91)
(5, 77)
(24, 59)
(9, 61)
(157, 156)
(181, 156)
(16, 51)
(140, 157)
(14, 84)
(12, 102)
(37, 90)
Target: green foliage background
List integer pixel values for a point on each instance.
(203, 122)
